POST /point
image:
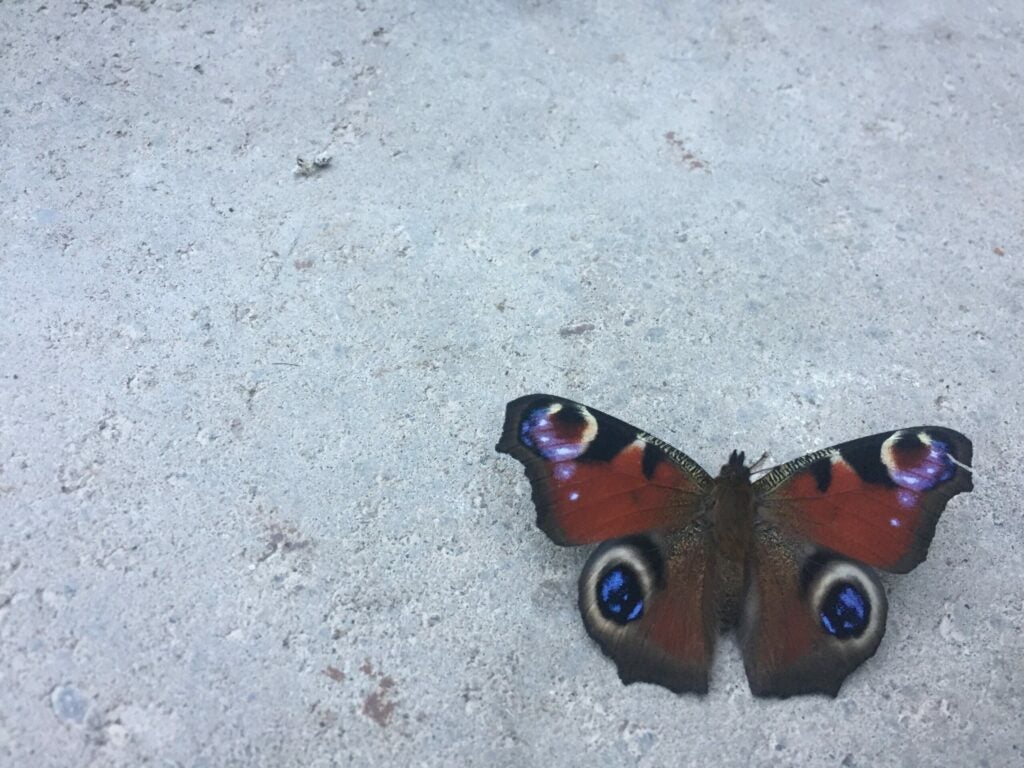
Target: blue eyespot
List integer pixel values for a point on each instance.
(846, 611)
(555, 436)
(620, 596)
(923, 472)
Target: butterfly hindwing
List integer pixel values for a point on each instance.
(596, 478)
(810, 617)
(649, 602)
(876, 499)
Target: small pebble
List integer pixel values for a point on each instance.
(69, 704)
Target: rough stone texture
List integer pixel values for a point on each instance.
(251, 512)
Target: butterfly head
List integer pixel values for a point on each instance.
(736, 467)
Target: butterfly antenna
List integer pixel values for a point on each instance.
(753, 467)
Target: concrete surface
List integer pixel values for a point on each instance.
(251, 512)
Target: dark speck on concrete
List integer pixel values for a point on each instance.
(575, 330)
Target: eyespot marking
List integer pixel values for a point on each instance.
(618, 584)
(620, 595)
(845, 611)
(558, 433)
(848, 603)
(917, 461)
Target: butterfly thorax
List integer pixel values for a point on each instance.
(731, 516)
(731, 511)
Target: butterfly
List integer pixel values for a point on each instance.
(786, 561)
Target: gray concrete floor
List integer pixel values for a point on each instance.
(251, 512)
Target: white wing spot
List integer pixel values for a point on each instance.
(906, 497)
(564, 470)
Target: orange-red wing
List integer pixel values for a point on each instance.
(809, 617)
(876, 499)
(596, 478)
(649, 602)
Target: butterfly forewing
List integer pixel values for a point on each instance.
(876, 499)
(596, 478)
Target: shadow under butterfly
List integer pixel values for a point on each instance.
(785, 560)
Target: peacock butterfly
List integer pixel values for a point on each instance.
(785, 560)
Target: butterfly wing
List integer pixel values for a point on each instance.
(646, 594)
(596, 478)
(876, 499)
(649, 602)
(813, 609)
(810, 617)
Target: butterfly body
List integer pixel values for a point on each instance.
(783, 560)
(732, 511)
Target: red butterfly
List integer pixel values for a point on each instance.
(783, 560)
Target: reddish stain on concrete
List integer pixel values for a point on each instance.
(378, 708)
